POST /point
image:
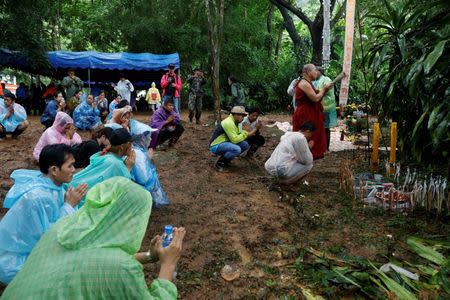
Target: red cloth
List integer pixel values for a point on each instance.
(50, 92)
(308, 110)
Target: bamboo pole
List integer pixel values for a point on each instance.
(375, 145)
(392, 156)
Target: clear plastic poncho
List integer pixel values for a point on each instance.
(143, 171)
(14, 120)
(101, 167)
(35, 203)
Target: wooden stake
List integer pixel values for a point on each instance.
(376, 137)
(392, 156)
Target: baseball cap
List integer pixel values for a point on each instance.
(171, 66)
(120, 136)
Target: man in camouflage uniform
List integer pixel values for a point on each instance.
(196, 83)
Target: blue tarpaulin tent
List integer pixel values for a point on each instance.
(99, 68)
(112, 61)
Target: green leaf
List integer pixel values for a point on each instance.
(433, 57)
(402, 46)
(396, 288)
(419, 123)
(434, 116)
(425, 251)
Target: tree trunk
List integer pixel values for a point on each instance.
(214, 14)
(315, 27)
(269, 29)
(279, 42)
(317, 42)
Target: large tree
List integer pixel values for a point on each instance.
(315, 26)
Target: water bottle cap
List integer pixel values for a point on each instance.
(168, 229)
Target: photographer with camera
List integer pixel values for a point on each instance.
(171, 85)
(124, 88)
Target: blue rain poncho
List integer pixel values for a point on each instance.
(112, 107)
(10, 124)
(143, 171)
(50, 111)
(35, 203)
(86, 117)
(101, 167)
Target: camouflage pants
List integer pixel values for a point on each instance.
(195, 106)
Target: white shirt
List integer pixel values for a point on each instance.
(292, 149)
(124, 88)
(247, 121)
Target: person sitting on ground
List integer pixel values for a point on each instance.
(168, 123)
(292, 158)
(13, 117)
(115, 161)
(73, 102)
(121, 116)
(99, 142)
(53, 106)
(153, 97)
(63, 131)
(102, 105)
(36, 201)
(257, 140)
(113, 106)
(143, 171)
(86, 115)
(93, 254)
(228, 141)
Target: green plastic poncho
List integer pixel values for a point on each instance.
(90, 254)
(328, 102)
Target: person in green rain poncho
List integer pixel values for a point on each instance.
(328, 103)
(92, 254)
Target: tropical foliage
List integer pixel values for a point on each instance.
(410, 64)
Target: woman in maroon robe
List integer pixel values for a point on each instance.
(309, 108)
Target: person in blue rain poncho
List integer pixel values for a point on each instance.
(112, 106)
(53, 106)
(36, 201)
(13, 117)
(143, 171)
(86, 115)
(115, 161)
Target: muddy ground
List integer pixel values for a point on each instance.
(242, 218)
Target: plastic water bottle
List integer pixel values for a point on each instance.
(167, 238)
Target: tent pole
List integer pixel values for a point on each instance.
(89, 79)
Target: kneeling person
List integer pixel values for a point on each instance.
(227, 140)
(36, 201)
(168, 123)
(292, 158)
(13, 117)
(257, 140)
